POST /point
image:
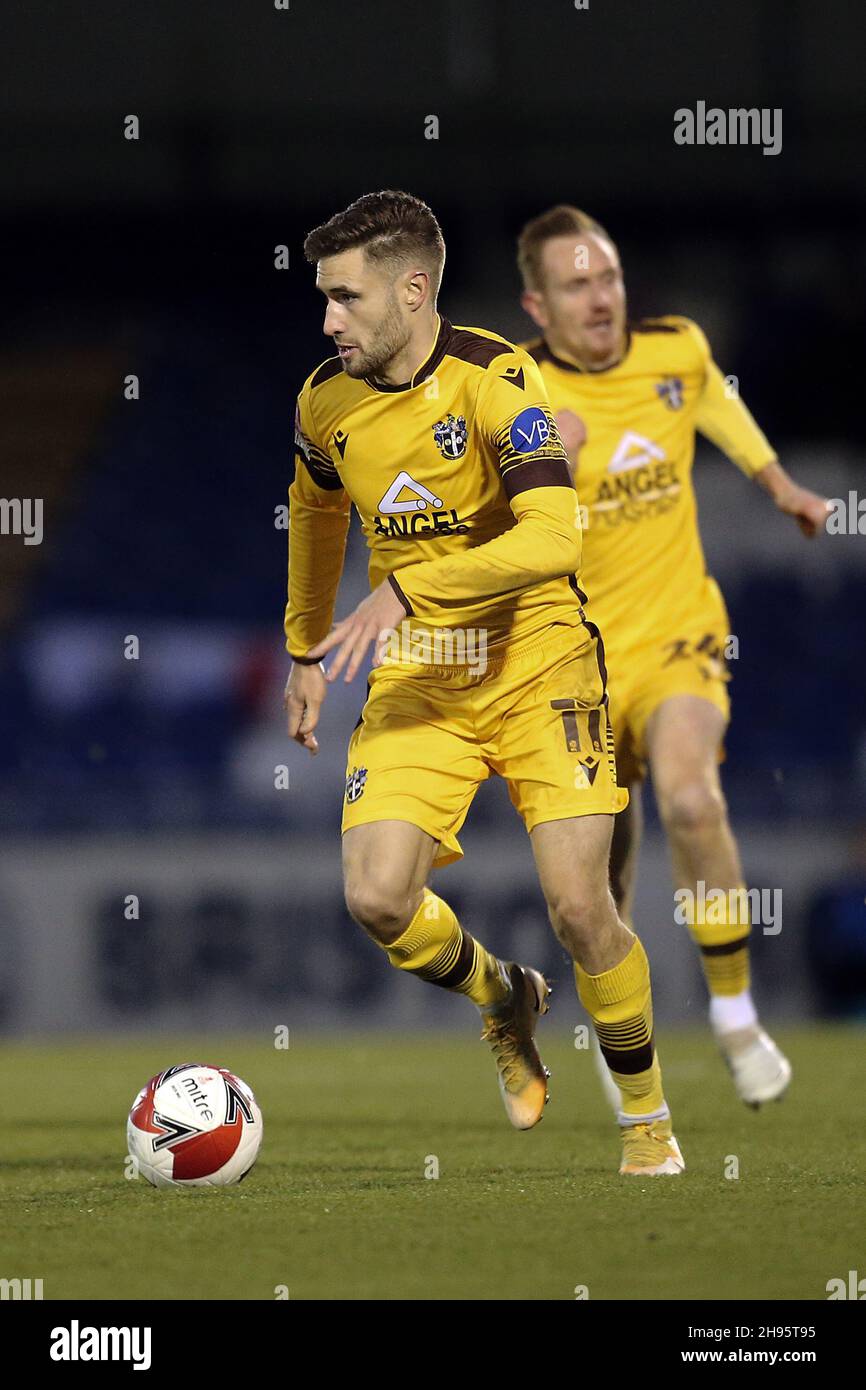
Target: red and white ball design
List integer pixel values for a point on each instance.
(194, 1126)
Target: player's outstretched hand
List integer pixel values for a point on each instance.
(374, 620)
(808, 509)
(305, 691)
(573, 434)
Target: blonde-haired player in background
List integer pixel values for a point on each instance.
(628, 399)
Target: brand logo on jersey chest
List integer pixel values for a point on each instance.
(411, 509)
(633, 451)
(407, 495)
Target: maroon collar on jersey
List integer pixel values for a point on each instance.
(543, 353)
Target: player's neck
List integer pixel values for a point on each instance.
(596, 364)
(403, 367)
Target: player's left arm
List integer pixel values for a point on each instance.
(725, 419)
(545, 543)
(517, 423)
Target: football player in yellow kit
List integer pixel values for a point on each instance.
(628, 398)
(443, 439)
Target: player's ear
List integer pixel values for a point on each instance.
(417, 289)
(533, 304)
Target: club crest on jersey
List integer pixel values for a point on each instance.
(670, 390)
(355, 783)
(451, 435)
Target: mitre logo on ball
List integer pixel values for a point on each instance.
(194, 1126)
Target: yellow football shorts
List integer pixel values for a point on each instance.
(688, 660)
(429, 736)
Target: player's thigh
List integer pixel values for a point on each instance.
(671, 670)
(553, 744)
(413, 758)
(386, 865)
(684, 738)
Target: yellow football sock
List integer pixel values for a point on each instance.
(619, 1002)
(719, 923)
(435, 947)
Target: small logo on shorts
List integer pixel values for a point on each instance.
(355, 783)
(585, 774)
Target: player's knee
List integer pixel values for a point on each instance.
(376, 907)
(691, 807)
(579, 916)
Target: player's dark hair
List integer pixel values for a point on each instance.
(563, 220)
(391, 226)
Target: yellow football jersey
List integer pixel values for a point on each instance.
(463, 490)
(643, 562)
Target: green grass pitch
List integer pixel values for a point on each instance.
(338, 1206)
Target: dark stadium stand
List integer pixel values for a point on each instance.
(169, 534)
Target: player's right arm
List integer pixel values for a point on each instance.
(728, 423)
(319, 512)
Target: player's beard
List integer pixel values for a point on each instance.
(389, 337)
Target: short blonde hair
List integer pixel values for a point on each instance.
(563, 220)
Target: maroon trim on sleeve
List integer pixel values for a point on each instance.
(521, 477)
(401, 596)
(320, 468)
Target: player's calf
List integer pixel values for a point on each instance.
(619, 1002)
(436, 948)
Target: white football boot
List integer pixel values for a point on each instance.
(760, 1071)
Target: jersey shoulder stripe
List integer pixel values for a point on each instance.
(325, 395)
(331, 368)
(669, 323)
(686, 349)
(476, 346)
(536, 348)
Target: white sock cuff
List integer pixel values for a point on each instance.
(731, 1011)
(623, 1119)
